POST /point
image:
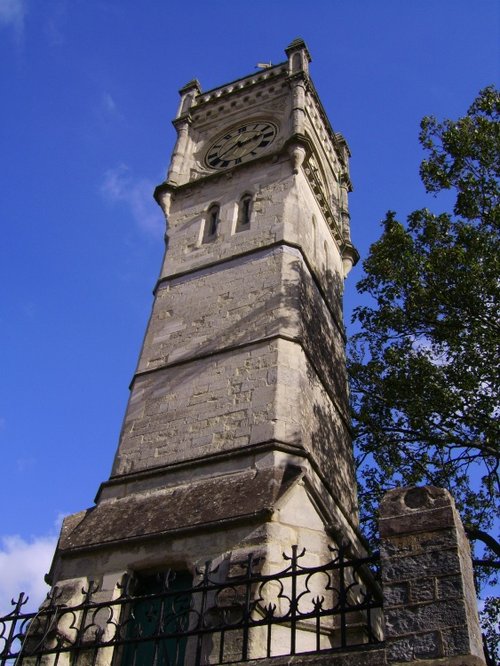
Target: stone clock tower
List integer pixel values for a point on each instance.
(236, 436)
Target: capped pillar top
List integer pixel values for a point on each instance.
(417, 509)
(188, 93)
(298, 56)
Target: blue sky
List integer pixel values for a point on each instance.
(88, 89)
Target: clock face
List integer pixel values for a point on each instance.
(240, 144)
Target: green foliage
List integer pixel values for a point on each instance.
(490, 625)
(424, 367)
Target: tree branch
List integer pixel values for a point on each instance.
(476, 534)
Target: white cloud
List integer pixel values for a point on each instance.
(12, 14)
(137, 194)
(55, 22)
(23, 565)
(53, 33)
(108, 103)
(24, 464)
(28, 309)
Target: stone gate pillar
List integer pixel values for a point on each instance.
(429, 597)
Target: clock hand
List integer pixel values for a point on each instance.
(228, 150)
(239, 144)
(254, 136)
(235, 150)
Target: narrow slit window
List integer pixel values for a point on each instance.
(314, 234)
(326, 256)
(212, 222)
(244, 212)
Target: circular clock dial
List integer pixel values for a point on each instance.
(240, 144)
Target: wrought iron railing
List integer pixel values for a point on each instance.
(222, 617)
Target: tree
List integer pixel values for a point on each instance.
(490, 626)
(424, 365)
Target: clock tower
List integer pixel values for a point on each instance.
(236, 436)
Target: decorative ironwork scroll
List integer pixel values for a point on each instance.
(217, 619)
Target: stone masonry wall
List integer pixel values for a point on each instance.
(245, 300)
(264, 392)
(307, 417)
(283, 208)
(208, 406)
(191, 403)
(234, 303)
(188, 214)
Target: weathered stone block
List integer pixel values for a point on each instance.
(456, 640)
(423, 617)
(423, 590)
(417, 543)
(416, 647)
(396, 595)
(365, 656)
(449, 587)
(432, 563)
